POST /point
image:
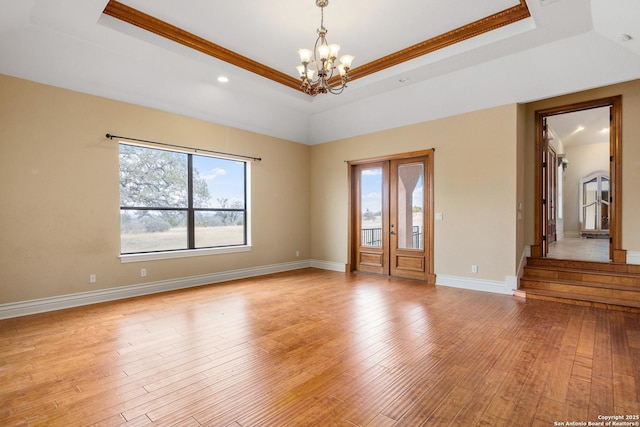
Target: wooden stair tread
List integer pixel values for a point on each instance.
(585, 284)
(591, 266)
(583, 271)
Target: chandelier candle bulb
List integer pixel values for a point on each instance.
(334, 49)
(347, 60)
(305, 55)
(323, 51)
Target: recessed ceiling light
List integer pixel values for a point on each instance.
(580, 128)
(403, 79)
(223, 79)
(624, 37)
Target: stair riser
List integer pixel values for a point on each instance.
(610, 279)
(581, 290)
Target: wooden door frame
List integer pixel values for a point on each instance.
(618, 255)
(428, 209)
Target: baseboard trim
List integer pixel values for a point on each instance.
(512, 282)
(523, 261)
(42, 305)
(493, 286)
(633, 257)
(328, 265)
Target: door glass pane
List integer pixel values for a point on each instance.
(590, 217)
(604, 216)
(410, 206)
(371, 207)
(590, 197)
(590, 191)
(604, 204)
(560, 190)
(605, 190)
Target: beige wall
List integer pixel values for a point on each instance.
(630, 92)
(59, 188)
(475, 187)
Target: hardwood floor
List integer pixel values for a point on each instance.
(319, 348)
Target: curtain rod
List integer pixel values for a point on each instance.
(195, 150)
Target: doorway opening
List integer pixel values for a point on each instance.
(578, 182)
(391, 216)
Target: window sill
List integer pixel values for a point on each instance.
(153, 256)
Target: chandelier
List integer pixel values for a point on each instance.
(322, 60)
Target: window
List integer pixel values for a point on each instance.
(176, 201)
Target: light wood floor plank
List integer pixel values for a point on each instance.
(415, 409)
(577, 403)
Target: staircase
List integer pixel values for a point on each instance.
(597, 284)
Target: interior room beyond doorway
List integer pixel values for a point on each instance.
(581, 223)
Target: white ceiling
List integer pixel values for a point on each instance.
(580, 127)
(565, 46)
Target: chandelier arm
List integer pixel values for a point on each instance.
(338, 89)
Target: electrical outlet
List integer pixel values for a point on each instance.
(474, 268)
(143, 272)
(92, 278)
(297, 253)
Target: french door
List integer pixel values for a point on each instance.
(391, 225)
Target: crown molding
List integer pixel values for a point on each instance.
(147, 22)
